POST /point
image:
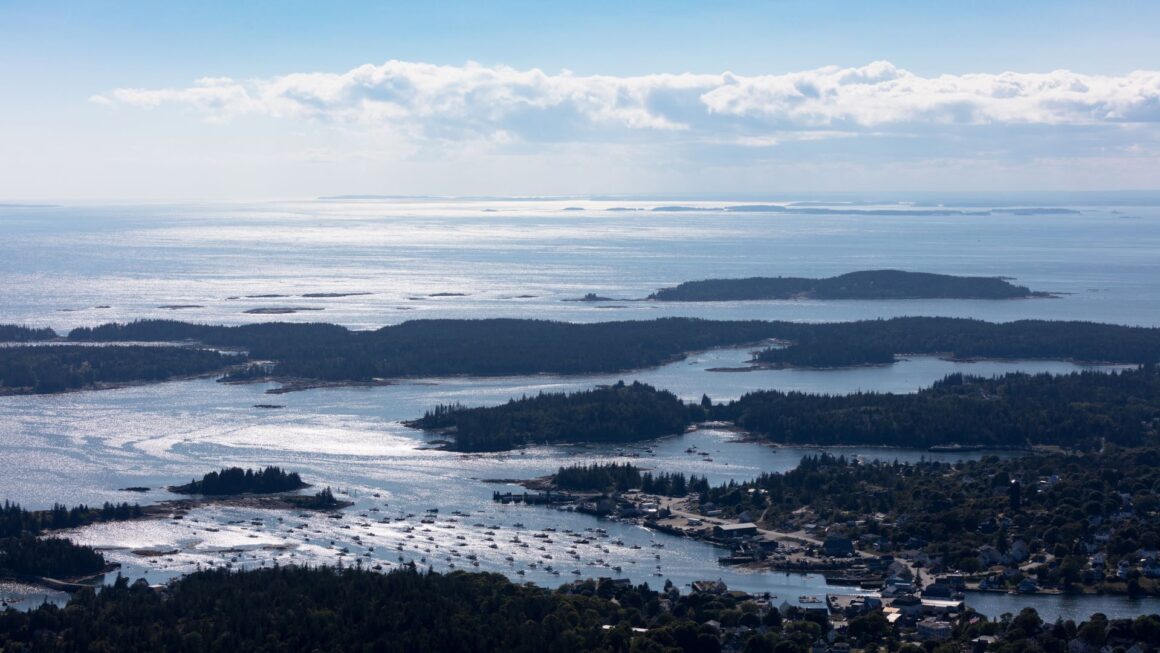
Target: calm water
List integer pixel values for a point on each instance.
(521, 258)
(60, 264)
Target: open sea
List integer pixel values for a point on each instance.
(369, 263)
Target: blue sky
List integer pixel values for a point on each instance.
(208, 100)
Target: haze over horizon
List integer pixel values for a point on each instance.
(134, 102)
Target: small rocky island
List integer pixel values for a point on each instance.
(868, 284)
(236, 485)
(235, 480)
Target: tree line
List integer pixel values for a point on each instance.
(1077, 410)
(841, 344)
(19, 333)
(48, 557)
(335, 609)
(16, 521)
(57, 368)
(621, 477)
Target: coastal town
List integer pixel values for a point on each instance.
(913, 584)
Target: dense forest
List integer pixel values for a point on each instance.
(868, 284)
(326, 609)
(22, 553)
(494, 347)
(17, 333)
(1078, 410)
(16, 521)
(509, 346)
(235, 480)
(841, 344)
(618, 413)
(49, 557)
(1082, 410)
(948, 510)
(619, 477)
(296, 609)
(49, 369)
(598, 477)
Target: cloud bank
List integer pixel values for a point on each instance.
(502, 104)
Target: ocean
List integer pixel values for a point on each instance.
(369, 263)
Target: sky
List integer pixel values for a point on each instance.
(170, 101)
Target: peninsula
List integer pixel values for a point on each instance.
(306, 355)
(1078, 411)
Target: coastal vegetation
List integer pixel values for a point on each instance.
(597, 477)
(328, 609)
(617, 413)
(235, 480)
(16, 521)
(496, 347)
(29, 556)
(844, 344)
(298, 609)
(58, 368)
(1082, 410)
(324, 499)
(867, 284)
(18, 333)
(24, 554)
(621, 477)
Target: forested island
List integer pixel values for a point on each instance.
(326, 353)
(867, 284)
(1081, 410)
(618, 413)
(327, 609)
(59, 368)
(235, 480)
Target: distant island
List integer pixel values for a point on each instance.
(868, 284)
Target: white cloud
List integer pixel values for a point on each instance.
(480, 102)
